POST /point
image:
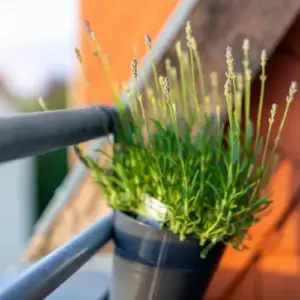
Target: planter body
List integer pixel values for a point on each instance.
(154, 264)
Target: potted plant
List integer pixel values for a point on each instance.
(184, 182)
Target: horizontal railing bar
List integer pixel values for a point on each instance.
(30, 134)
(40, 280)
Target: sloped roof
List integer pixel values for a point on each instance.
(211, 27)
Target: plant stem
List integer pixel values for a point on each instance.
(287, 106)
(228, 96)
(267, 144)
(238, 107)
(200, 73)
(194, 91)
(183, 86)
(214, 86)
(261, 100)
(86, 80)
(247, 85)
(218, 113)
(155, 75)
(248, 96)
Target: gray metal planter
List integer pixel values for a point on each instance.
(154, 264)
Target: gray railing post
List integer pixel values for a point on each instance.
(29, 134)
(50, 272)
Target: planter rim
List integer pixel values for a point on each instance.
(125, 223)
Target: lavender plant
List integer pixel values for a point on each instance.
(208, 177)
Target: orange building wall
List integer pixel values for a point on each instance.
(120, 25)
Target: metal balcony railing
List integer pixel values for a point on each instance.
(50, 272)
(30, 134)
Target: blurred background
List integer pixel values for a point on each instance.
(37, 40)
(37, 59)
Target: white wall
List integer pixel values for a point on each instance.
(17, 208)
(37, 41)
(17, 202)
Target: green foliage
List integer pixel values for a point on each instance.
(180, 152)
